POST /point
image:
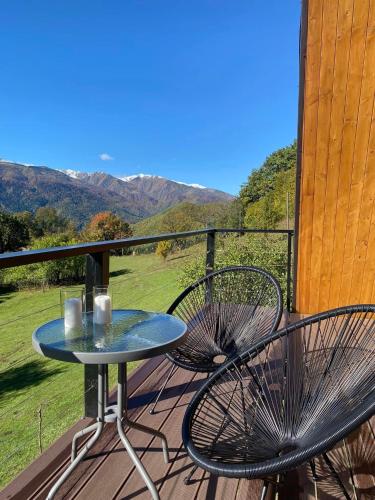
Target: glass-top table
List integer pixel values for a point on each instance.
(132, 335)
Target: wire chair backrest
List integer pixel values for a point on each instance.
(292, 396)
(227, 312)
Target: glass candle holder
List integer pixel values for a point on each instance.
(102, 303)
(71, 301)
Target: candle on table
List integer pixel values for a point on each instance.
(102, 309)
(73, 313)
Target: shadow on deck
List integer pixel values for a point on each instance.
(108, 473)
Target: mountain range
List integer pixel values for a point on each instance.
(79, 195)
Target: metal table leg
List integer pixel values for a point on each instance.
(123, 419)
(98, 427)
(122, 372)
(119, 413)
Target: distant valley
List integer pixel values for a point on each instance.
(79, 195)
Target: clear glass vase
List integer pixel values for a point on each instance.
(72, 307)
(102, 305)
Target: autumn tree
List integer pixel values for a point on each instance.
(107, 226)
(164, 248)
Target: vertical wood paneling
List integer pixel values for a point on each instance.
(344, 28)
(336, 232)
(328, 50)
(311, 100)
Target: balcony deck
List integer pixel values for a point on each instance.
(108, 473)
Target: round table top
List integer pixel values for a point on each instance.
(132, 335)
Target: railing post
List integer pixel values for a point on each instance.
(210, 263)
(289, 274)
(97, 274)
(210, 255)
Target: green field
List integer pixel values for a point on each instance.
(41, 398)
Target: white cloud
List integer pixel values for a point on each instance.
(105, 157)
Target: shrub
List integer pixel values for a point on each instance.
(164, 248)
(266, 251)
(69, 270)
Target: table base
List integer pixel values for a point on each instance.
(115, 413)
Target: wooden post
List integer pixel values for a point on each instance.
(97, 274)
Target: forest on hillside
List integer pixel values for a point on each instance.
(265, 200)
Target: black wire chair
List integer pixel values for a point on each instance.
(291, 397)
(227, 312)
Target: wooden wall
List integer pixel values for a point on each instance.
(335, 253)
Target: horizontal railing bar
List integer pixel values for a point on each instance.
(265, 231)
(13, 259)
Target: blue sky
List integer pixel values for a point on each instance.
(197, 90)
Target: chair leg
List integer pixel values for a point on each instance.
(336, 476)
(190, 475)
(169, 376)
(264, 490)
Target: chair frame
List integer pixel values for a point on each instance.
(292, 460)
(177, 363)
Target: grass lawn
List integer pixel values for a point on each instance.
(38, 393)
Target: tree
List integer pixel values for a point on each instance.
(106, 226)
(164, 248)
(261, 181)
(48, 221)
(271, 209)
(14, 233)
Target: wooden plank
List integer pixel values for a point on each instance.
(344, 27)
(174, 480)
(367, 288)
(349, 133)
(359, 180)
(326, 79)
(364, 253)
(311, 100)
(249, 489)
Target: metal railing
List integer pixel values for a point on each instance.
(97, 272)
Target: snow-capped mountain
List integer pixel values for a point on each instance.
(75, 174)
(81, 194)
(153, 192)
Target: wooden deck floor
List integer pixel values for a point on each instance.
(108, 473)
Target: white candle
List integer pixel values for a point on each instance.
(102, 309)
(73, 313)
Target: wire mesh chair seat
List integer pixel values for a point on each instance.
(290, 398)
(226, 312)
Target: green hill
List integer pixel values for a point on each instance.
(186, 217)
